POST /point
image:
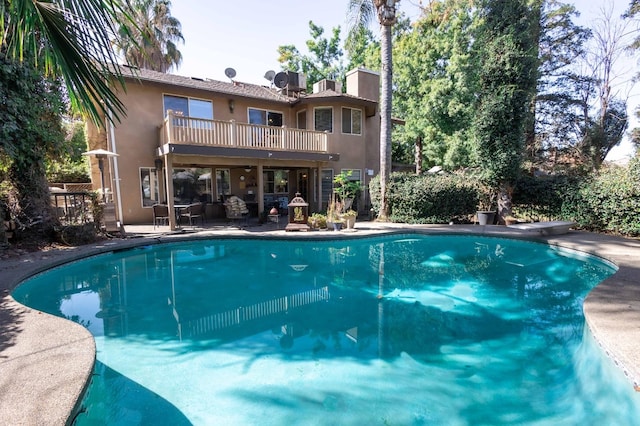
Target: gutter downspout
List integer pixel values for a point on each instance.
(116, 170)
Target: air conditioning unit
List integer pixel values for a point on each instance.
(296, 81)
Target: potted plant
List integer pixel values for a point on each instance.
(350, 218)
(486, 213)
(317, 221)
(346, 189)
(334, 213)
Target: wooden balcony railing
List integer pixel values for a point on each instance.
(185, 130)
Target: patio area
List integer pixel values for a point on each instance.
(46, 361)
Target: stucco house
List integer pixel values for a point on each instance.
(187, 140)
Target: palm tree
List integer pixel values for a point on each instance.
(362, 13)
(151, 42)
(69, 39)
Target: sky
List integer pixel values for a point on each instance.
(245, 35)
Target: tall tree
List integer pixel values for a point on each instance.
(434, 83)
(507, 82)
(70, 39)
(559, 100)
(149, 41)
(604, 131)
(362, 13)
(324, 60)
(30, 112)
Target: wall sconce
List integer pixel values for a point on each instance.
(158, 163)
(232, 105)
(242, 178)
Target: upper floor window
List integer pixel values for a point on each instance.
(302, 119)
(188, 107)
(323, 119)
(265, 118)
(351, 121)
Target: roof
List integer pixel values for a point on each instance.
(245, 90)
(332, 95)
(234, 88)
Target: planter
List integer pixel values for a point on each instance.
(350, 222)
(336, 226)
(486, 217)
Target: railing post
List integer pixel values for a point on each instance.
(234, 133)
(169, 126)
(283, 137)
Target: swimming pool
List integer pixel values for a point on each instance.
(404, 329)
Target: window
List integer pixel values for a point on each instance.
(351, 121)
(188, 107)
(223, 183)
(327, 186)
(191, 185)
(354, 175)
(323, 119)
(265, 118)
(149, 186)
(302, 119)
(276, 181)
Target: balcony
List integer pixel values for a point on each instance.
(181, 130)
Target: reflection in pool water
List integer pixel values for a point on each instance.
(407, 329)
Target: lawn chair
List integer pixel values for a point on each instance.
(193, 212)
(110, 224)
(160, 215)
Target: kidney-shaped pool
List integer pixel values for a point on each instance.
(401, 329)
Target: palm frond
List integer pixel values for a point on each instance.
(70, 39)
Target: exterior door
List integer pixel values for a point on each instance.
(303, 183)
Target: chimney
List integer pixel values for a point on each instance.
(364, 83)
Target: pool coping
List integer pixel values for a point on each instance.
(46, 362)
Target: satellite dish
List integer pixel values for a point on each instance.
(269, 75)
(280, 80)
(230, 73)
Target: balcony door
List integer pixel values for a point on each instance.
(268, 138)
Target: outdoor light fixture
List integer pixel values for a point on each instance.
(158, 163)
(232, 105)
(101, 155)
(247, 169)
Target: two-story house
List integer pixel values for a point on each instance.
(186, 140)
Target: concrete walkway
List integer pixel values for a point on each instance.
(45, 361)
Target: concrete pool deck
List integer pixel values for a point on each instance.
(46, 361)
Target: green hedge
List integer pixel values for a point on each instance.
(427, 198)
(609, 202)
(606, 202)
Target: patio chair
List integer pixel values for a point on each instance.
(160, 215)
(193, 212)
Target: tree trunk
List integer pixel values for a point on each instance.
(36, 218)
(418, 155)
(385, 119)
(505, 206)
(3, 235)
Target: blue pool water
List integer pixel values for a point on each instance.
(394, 330)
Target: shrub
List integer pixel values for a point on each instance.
(427, 198)
(609, 202)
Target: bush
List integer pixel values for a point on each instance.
(427, 198)
(609, 202)
(543, 198)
